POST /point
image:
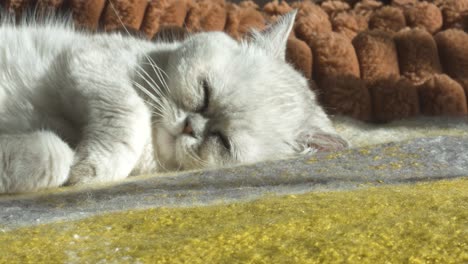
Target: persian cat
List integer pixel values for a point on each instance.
(80, 108)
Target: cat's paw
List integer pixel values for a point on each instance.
(82, 173)
(89, 171)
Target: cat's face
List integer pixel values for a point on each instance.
(228, 102)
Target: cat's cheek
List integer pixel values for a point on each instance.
(249, 149)
(164, 144)
(186, 152)
(213, 156)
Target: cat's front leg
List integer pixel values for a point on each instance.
(112, 141)
(115, 124)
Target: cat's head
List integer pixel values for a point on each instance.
(228, 102)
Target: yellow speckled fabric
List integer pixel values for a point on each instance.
(423, 223)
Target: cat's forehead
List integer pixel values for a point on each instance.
(235, 67)
(209, 41)
(216, 51)
(219, 47)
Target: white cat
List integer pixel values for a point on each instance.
(80, 108)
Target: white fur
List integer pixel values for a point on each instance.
(123, 104)
(32, 158)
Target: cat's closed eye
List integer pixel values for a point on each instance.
(222, 139)
(206, 97)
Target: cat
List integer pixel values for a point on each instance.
(81, 108)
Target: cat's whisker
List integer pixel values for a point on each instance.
(191, 153)
(159, 72)
(180, 168)
(155, 88)
(161, 165)
(156, 68)
(153, 106)
(151, 82)
(152, 63)
(162, 80)
(154, 123)
(161, 109)
(144, 90)
(158, 122)
(142, 87)
(158, 114)
(144, 54)
(174, 112)
(154, 103)
(111, 4)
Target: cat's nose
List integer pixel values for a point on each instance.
(188, 129)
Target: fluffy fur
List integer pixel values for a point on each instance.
(77, 108)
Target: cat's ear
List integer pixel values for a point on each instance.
(322, 141)
(274, 38)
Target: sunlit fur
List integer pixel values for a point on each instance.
(81, 108)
